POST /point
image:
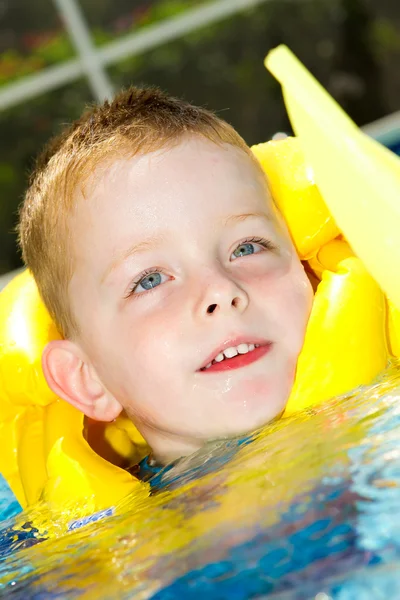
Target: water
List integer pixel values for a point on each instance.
(306, 509)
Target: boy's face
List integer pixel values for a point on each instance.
(181, 256)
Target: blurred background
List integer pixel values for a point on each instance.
(56, 56)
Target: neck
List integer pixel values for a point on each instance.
(167, 447)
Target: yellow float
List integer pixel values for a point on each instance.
(52, 453)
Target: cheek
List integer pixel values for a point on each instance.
(145, 345)
(294, 309)
(137, 368)
(287, 295)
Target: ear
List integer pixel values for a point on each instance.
(72, 377)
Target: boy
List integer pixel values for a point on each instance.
(157, 249)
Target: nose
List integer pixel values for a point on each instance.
(221, 295)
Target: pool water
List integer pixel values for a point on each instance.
(309, 507)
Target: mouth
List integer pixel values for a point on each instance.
(236, 356)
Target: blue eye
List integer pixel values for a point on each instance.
(148, 281)
(244, 250)
(253, 245)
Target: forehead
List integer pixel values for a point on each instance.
(189, 185)
(181, 174)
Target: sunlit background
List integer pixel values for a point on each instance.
(56, 56)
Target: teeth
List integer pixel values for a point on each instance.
(231, 352)
(243, 348)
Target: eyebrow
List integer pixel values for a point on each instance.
(233, 219)
(137, 248)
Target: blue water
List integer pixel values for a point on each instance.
(9, 506)
(308, 506)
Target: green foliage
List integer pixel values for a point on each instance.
(15, 65)
(385, 35)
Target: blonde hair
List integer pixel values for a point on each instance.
(137, 121)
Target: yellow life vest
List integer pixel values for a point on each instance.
(50, 452)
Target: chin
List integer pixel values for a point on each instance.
(263, 420)
(251, 422)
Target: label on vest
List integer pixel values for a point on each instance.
(101, 514)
